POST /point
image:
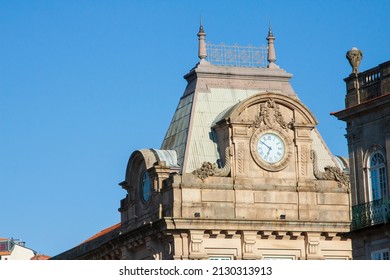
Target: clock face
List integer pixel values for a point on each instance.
(271, 147)
(145, 187)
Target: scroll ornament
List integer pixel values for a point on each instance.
(210, 169)
(331, 172)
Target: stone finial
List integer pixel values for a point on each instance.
(271, 49)
(354, 57)
(202, 53)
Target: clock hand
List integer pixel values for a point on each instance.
(269, 148)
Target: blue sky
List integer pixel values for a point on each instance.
(85, 83)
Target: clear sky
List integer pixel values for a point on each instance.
(85, 83)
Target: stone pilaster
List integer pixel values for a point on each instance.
(354, 137)
(304, 164)
(387, 146)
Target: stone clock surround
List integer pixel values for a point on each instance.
(287, 116)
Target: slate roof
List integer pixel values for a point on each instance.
(213, 90)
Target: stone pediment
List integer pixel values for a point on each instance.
(268, 108)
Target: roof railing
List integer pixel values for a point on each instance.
(236, 55)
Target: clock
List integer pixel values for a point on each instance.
(145, 187)
(271, 148)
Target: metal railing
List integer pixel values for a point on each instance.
(235, 55)
(372, 213)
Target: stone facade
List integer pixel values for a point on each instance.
(242, 173)
(367, 115)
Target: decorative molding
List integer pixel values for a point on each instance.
(240, 131)
(196, 245)
(313, 245)
(240, 157)
(304, 157)
(270, 115)
(210, 169)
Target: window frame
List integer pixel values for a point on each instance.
(376, 174)
(383, 254)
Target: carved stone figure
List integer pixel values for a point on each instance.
(269, 114)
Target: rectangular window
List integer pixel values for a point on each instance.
(375, 185)
(380, 255)
(220, 258)
(3, 247)
(279, 258)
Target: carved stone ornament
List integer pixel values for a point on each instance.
(331, 172)
(354, 57)
(210, 169)
(270, 115)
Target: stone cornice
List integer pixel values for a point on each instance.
(256, 225)
(371, 105)
(237, 73)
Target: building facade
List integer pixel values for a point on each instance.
(367, 115)
(242, 173)
(13, 249)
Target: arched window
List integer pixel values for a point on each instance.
(378, 176)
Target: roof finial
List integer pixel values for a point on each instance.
(269, 29)
(202, 52)
(354, 57)
(271, 49)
